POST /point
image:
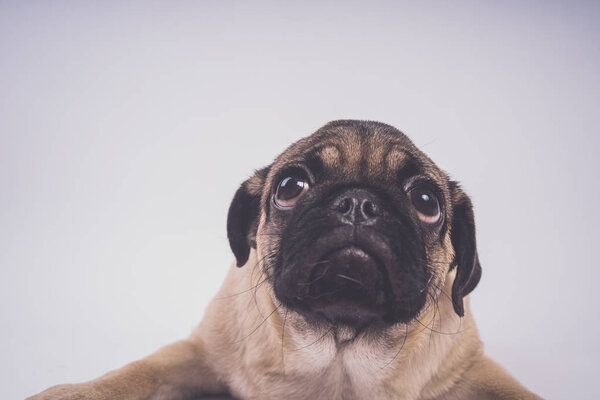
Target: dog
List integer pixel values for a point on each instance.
(354, 256)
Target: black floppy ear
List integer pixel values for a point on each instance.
(466, 260)
(242, 219)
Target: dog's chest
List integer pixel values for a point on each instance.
(347, 378)
(350, 374)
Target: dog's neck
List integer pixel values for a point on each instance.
(366, 364)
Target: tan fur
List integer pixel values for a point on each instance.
(330, 156)
(433, 359)
(395, 159)
(251, 346)
(242, 344)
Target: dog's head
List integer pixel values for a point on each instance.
(354, 225)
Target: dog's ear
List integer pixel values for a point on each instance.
(243, 216)
(462, 234)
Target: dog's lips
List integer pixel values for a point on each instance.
(346, 285)
(346, 267)
(351, 276)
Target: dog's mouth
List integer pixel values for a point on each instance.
(351, 276)
(347, 286)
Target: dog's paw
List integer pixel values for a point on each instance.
(78, 391)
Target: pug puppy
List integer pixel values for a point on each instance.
(354, 256)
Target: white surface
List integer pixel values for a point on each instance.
(125, 129)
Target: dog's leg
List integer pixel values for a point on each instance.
(179, 370)
(487, 380)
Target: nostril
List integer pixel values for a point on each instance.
(368, 209)
(345, 206)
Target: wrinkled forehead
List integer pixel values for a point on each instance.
(360, 152)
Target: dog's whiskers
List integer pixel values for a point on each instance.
(350, 279)
(259, 325)
(400, 349)
(316, 341)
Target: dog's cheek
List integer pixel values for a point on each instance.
(268, 245)
(262, 242)
(441, 257)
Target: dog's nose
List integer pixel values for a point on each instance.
(356, 206)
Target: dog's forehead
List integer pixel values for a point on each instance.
(359, 149)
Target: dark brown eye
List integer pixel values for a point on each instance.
(289, 191)
(426, 203)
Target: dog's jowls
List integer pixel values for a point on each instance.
(354, 256)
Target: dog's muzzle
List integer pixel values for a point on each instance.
(346, 286)
(344, 279)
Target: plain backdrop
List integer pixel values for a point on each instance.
(126, 127)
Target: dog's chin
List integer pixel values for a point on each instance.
(344, 280)
(347, 288)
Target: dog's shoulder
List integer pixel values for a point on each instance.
(485, 379)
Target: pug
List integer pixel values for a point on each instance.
(354, 256)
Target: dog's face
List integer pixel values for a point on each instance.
(354, 225)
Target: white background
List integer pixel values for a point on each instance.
(125, 129)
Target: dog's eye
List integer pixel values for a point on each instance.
(426, 203)
(289, 191)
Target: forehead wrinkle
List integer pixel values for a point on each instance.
(352, 148)
(375, 153)
(395, 158)
(330, 156)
